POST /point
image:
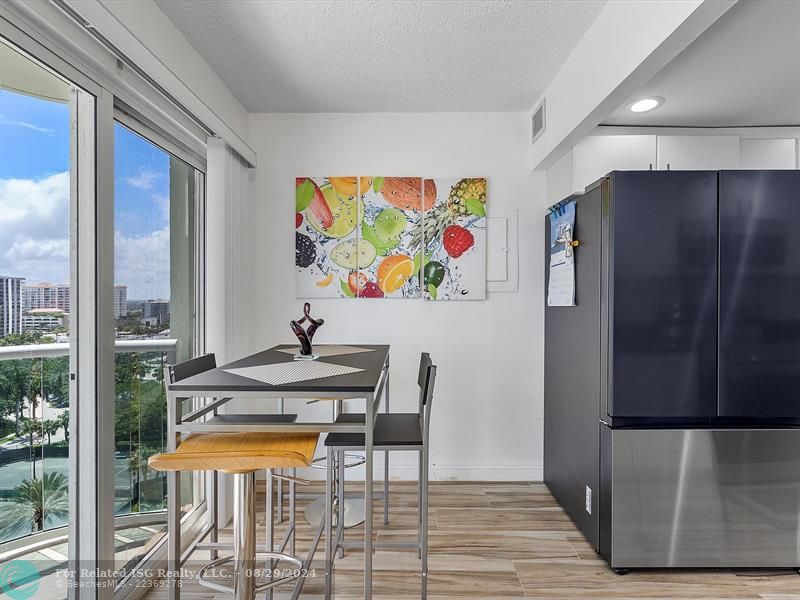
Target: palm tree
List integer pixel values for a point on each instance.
(30, 427)
(34, 502)
(14, 383)
(50, 427)
(63, 422)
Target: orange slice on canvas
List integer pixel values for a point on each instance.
(394, 271)
(348, 186)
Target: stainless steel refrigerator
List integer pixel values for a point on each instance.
(672, 388)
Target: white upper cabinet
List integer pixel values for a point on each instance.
(597, 155)
(768, 154)
(698, 152)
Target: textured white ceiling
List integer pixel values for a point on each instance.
(384, 56)
(744, 70)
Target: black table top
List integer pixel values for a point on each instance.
(218, 380)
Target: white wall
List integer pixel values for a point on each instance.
(487, 420)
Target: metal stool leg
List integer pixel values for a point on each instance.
(419, 504)
(281, 407)
(280, 498)
(424, 510)
(293, 513)
(329, 526)
(386, 488)
(244, 536)
(270, 528)
(340, 489)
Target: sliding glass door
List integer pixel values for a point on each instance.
(101, 267)
(37, 175)
(155, 312)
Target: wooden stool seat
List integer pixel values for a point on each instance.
(238, 452)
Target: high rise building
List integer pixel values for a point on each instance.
(156, 309)
(10, 305)
(120, 301)
(46, 295)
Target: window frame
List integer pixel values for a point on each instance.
(195, 521)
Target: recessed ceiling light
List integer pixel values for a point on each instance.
(645, 104)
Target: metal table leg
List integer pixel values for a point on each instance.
(329, 526)
(368, 439)
(386, 463)
(342, 504)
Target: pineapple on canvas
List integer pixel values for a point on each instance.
(454, 239)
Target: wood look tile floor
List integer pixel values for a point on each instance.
(499, 540)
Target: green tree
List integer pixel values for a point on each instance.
(50, 427)
(35, 501)
(63, 422)
(14, 386)
(31, 427)
(55, 373)
(25, 338)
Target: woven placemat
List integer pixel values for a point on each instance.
(292, 372)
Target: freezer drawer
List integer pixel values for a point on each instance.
(700, 498)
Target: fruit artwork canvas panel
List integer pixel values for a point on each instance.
(392, 215)
(390, 237)
(454, 241)
(328, 215)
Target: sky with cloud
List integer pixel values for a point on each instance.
(34, 199)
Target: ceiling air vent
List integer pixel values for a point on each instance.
(537, 122)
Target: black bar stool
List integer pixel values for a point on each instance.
(393, 432)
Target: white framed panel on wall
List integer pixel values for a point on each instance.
(502, 250)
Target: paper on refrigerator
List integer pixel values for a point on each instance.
(561, 284)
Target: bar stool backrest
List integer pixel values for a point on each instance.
(422, 380)
(425, 380)
(188, 368)
(431, 379)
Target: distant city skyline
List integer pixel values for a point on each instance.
(45, 307)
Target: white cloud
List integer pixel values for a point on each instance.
(4, 120)
(39, 250)
(34, 239)
(162, 201)
(33, 200)
(143, 180)
(142, 263)
(34, 228)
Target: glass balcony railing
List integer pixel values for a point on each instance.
(35, 447)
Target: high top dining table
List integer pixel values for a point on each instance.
(218, 386)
